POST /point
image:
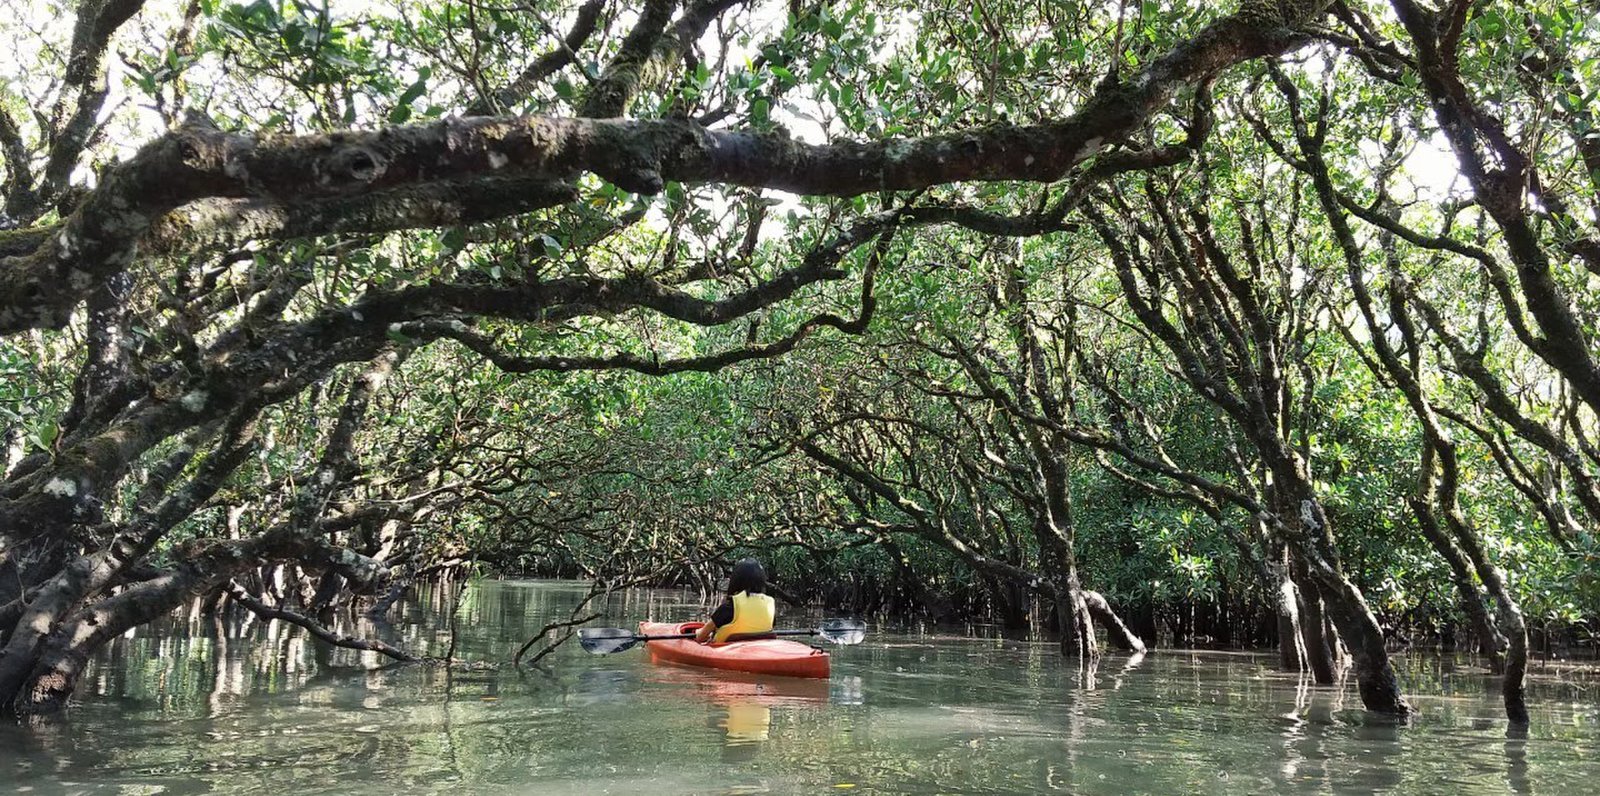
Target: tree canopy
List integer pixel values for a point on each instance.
(1283, 307)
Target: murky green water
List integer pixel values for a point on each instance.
(186, 710)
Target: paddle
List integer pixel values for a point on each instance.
(606, 640)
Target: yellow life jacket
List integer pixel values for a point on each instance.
(752, 613)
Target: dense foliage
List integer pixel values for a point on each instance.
(1261, 324)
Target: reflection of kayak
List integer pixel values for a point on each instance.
(725, 687)
(761, 656)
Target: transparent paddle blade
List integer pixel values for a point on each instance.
(844, 631)
(606, 640)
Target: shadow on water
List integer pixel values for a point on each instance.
(225, 704)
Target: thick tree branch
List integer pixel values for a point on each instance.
(101, 237)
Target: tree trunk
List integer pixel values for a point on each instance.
(1490, 643)
(1471, 599)
(1073, 619)
(54, 673)
(1358, 628)
(1512, 622)
(1512, 686)
(1341, 652)
(1291, 649)
(1314, 642)
(1375, 677)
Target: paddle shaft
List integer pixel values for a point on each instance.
(736, 636)
(608, 640)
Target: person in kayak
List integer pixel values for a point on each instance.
(747, 608)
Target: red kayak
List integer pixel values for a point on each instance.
(759, 656)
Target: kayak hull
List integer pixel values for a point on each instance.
(775, 656)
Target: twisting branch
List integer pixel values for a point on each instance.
(75, 116)
(611, 95)
(654, 366)
(564, 624)
(1503, 178)
(16, 190)
(545, 65)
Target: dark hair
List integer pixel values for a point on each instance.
(749, 576)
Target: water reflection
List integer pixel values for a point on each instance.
(744, 704)
(746, 722)
(1516, 751)
(227, 703)
(1378, 764)
(1089, 669)
(846, 690)
(599, 686)
(1128, 665)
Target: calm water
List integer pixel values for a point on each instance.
(196, 707)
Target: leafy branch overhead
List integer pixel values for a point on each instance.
(1063, 307)
(198, 162)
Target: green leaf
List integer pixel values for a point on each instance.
(414, 91)
(454, 239)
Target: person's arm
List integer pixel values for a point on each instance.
(722, 616)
